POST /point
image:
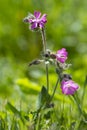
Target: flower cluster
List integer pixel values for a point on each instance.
(68, 86)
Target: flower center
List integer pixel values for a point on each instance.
(68, 85)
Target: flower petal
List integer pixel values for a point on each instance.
(41, 24)
(69, 91)
(34, 25)
(30, 20)
(43, 18)
(61, 55)
(37, 14)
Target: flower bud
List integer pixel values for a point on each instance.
(66, 77)
(35, 62)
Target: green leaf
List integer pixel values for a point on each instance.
(82, 125)
(9, 106)
(15, 125)
(84, 87)
(85, 83)
(72, 125)
(12, 108)
(2, 124)
(43, 97)
(47, 113)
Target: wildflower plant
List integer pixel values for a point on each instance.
(58, 60)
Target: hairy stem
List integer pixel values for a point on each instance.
(55, 88)
(47, 76)
(84, 90)
(44, 48)
(43, 39)
(78, 104)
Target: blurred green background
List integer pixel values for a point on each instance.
(66, 27)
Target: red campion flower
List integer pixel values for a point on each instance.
(36, 21)
(69, 87)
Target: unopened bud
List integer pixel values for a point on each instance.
(53, 56)
(25, 20)
(47, 54)
(35, 62)
(66, 77)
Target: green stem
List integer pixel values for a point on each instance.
(43, 39)
(47, 76)
(55, 88)
(84, 88)
(38, 122)
(37, 119)
(44, 48)
(78, 104)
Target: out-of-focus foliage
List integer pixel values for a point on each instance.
(66, 27)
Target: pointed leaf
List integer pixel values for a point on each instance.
(15, 111)
(12, 108)
(43, 97)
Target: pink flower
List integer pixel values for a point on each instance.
(36, 21)
(69, 87)
(61, 55)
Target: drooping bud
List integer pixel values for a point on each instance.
(35, 62)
